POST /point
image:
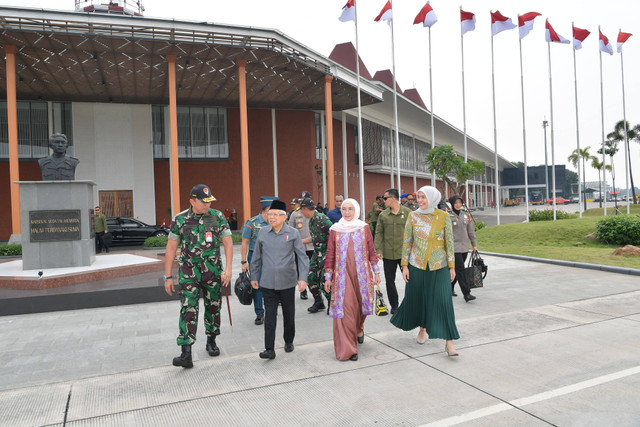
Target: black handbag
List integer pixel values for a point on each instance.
(475, 271)
(243, 289)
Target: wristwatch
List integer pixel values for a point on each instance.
(243, 262)
(167, 278)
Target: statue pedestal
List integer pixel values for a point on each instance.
(57, 224)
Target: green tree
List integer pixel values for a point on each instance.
(444, 162)
(633, 134)
(581, 155)
(598, 165)
(610, 149)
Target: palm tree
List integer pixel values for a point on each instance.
(598, 165)
(577, 155)
(610, 149)
(633, 134)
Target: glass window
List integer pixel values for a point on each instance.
(202, 132)
(33, 128)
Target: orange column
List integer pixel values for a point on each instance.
(331, 191)
(12, 113)
(173, 126)
(244, 140)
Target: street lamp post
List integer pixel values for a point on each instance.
(546, 163)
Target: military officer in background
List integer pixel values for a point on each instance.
(249, 235)
(301, 223)
(319, 225)
(198, 232)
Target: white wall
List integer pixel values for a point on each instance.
(113, 143)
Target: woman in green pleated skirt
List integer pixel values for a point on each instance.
(427, 251)
(427, 304)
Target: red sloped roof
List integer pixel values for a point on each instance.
(386, 77)
(345, 55)
(413, 95)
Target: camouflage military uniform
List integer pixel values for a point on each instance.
(199, 237)
(319, 225)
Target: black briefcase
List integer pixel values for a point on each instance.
(243, 289)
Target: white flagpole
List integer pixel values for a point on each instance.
(604, 155)
(395, 102)
(464, 109)
(579, 159)
(360, 132)
(495, 135)
(626, 136)
(553, 160)
(524, 132)
(433, 141)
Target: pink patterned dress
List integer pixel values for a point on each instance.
(350, 264)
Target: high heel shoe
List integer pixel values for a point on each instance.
(450, 352)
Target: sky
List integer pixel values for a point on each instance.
(314, 23)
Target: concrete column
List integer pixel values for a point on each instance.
(173, 126)
(275, 152)
(12, 116)
(345, 170)
(244, 140)
(331, 190)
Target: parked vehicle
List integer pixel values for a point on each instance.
(512, 202)
(536, 198)
(130, 230)
(574, 199)
(559, 201)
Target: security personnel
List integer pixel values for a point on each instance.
(301, 223)
(198, 232)
(463, 233)
(319, 225)
(249, 236)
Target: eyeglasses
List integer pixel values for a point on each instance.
(411, 200)
(388, 197)
(275, 214)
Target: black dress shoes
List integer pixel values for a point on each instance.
(304, 295)
(469, 297)
(453, 294)
(288, 347)
(354, 357)
(361, 339)
(268, 354)
(212, 348)
(259, 319)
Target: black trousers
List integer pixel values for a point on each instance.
(390, 266)
(460, 277)
(271, 299)
(101, 241)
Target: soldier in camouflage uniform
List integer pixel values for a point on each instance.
(319, 225)
(198, 232)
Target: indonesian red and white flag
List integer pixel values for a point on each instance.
(578, 37)
(500, 23)
(605, 46)
(386, 14)
(525, 23)
(467, 21)
(622, 37)
(550, 34)
(348, 12)
(427, 17)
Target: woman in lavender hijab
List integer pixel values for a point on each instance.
(351, 271)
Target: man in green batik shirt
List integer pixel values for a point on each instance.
(198, 232)
(319, 225)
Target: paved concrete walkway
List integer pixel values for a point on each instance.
(542, 345)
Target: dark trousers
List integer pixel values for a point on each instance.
(271, 299)
(460, 277)
(390, 266)
(101, 241)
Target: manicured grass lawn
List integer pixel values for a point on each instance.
(562, 240)
(635, 210)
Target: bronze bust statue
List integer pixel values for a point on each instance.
(58, 166)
